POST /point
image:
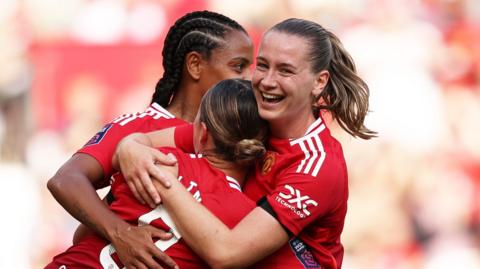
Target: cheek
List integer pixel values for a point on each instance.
(256, 77)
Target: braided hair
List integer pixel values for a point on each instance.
(200, 31)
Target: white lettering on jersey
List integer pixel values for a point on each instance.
(155, 111)
(296, 201)
(312, 147)
(159, 212)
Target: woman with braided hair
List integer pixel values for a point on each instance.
(200, 49)
(301, 186)
(229, 134)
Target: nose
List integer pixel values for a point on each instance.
(268, 80)
(247, 74)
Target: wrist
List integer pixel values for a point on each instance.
(115, 230)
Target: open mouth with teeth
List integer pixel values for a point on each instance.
(271, 98)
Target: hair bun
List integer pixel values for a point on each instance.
(247, 151)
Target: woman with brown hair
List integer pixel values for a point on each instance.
(302, 187)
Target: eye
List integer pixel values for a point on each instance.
(285, 71)
(261, 66)
(239, 67)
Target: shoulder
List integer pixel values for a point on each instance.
(154, 117)
(316, 154)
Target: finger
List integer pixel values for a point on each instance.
(158, 233)
(149, 262)
(148, 184)
(138, 265)
(133, 189)
(141, 190)
(161, 256)
(161, 158)
(130, 266)
(160, 176)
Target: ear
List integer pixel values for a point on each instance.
(194, 64)
(321, 81)
(203, 134)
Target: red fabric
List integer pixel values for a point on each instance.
(206, 183)
(306, 183)
(154, 118)
(184, 138)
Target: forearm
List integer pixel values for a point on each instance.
(77, 195)
(210, 238)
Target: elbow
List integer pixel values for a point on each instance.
(222, 258)
(61, 182)
(53, 184)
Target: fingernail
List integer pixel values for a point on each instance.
(171, 157)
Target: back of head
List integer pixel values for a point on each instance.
(230, 113)
(200, 31)
(346, 94)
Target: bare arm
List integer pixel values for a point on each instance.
(73, 186)
(256, 236)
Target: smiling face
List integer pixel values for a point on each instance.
(233, 60)
(285, 84)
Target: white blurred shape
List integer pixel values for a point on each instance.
(146, 22)
(8, 8)
(50, 19)
(20, 199)
(454, 252)
(45, 154)
(101, 22)
(406, 103)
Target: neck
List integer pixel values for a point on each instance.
(228, 168)
(291, 129)
(185, 103)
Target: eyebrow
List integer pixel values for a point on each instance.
(240, 59)
(282, 65)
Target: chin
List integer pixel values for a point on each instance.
(267, 115)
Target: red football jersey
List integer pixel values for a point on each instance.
(102, 145)
(219, 193)
(305, 182)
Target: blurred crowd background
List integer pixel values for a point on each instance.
(67, 67)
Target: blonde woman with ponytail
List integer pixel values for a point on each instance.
(301, 186)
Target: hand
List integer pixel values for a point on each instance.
(136, 249)
(137, 164)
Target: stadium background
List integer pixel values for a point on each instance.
(66, 67)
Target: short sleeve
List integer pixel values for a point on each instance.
(103, 144)
(184, 138)
(300, 199)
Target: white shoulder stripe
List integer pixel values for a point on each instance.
(322, 155)
(314, 125)
(125, 118)
(195, 156)
(154, 110)
(233, 183)
(314, 156)
(154, 114)
(163, 110)
(312, 148)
